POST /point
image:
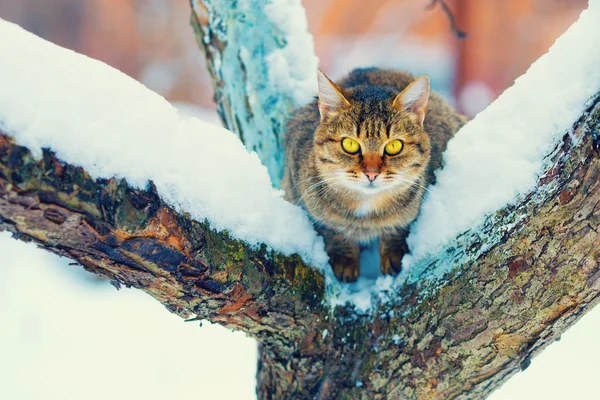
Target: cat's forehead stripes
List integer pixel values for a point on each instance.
(373, 128)
(372, 111)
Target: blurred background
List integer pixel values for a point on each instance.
(64, 334)
(151, 40)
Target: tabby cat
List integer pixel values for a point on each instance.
(359, 158)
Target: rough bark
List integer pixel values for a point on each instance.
(458, 337)
(233, 36)
(135, 240)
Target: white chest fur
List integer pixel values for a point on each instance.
(365, 206)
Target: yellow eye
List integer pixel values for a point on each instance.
(350, 146)
(394, 147)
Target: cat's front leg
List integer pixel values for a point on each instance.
(391, 250)
(344, 255)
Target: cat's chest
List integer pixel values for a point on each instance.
(366, 207)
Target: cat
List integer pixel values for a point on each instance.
(359, 158)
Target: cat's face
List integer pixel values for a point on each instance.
(370, 139)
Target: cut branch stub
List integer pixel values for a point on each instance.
(250, 102)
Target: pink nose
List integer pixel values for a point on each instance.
(371, 175)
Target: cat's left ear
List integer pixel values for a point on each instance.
(331, 97)
(414, 98)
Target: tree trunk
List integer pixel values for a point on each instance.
(505, 300)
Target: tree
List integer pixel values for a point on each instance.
(512, 286)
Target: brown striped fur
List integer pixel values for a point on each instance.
(333, 186)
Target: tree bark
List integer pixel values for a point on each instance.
(458, 337)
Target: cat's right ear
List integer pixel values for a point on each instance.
(414, 98)
(330, 96)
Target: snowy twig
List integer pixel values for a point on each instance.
(442, 3)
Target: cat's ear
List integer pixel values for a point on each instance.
(330, 95)
(414, 98)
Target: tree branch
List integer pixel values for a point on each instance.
(462, 335)
(451, 19)
(134, 239)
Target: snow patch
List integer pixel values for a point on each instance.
(96, 117)
(289, 74)
(499, 154)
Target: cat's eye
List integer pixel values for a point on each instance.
(350, 145)
(394, 147)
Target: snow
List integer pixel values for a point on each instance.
(95, 117)
(67, 335)
(289, 75)
(499, 154)
(88, 110)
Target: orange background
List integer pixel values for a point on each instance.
(151, 40)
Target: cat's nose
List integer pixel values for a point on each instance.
(371, 175)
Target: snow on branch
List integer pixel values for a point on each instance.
(500, 154)
(497, 159)
(492, 315)
(94, 116)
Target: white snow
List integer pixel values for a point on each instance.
(94, 116)
(499, 154)
(289, 74)
(67, 335)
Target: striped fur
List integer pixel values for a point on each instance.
(332, 185)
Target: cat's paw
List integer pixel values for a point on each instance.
(346, 269)
(391, 262)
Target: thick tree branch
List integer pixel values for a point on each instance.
(134, 239)
(459, 337)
